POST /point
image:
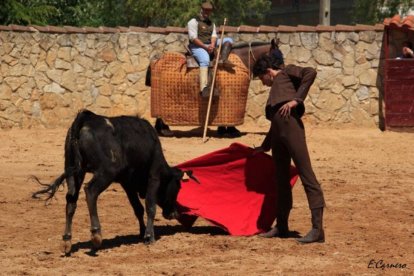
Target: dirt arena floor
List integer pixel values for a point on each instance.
(367, 176)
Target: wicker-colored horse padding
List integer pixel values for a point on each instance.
(175, 93)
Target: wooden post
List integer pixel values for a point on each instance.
(325, 12)
(212, 83)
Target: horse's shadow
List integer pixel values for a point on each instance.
(160, 231)
(196, 132)
(211, 132)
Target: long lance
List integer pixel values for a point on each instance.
(212, 83)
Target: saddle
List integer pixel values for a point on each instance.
(191, 60)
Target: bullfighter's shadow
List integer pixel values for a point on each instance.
(160, 231)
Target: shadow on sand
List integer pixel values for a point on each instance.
(211, 132)
(160, 231)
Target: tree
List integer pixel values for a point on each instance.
(163, 13)
(240, 12)
(375, 11)
(114, 13)
(26, 12)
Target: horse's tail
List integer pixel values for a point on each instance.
(148, 76)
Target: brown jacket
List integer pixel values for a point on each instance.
(205, 29)
(291, 83)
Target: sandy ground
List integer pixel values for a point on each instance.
(367, 176)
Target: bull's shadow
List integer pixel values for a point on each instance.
(160, 231)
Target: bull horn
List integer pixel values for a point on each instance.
(189, 174)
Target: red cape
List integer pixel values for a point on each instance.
(236, 190)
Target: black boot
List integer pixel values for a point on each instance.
(316, 234)
(162, 128)
(281, 229)
(221, 131)
(233, 132)
(224, 55)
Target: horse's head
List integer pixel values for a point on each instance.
(249, 52)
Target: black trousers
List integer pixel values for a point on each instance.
(288, 143)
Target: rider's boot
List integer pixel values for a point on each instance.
(206, 79)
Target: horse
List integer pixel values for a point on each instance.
(175, 95)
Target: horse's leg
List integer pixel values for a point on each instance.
(136, 205)
(162, 128)
(99, 182)
(74, 183)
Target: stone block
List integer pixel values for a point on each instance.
(323, 57)
(309, 40)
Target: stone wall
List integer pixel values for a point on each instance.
(48, 73)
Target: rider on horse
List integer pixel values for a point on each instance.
(203, 41)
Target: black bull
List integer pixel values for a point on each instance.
(122, 149)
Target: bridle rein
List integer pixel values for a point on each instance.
(254, 59)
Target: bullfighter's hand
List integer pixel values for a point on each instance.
(407, 51)
(284, 111)
(210, 48)
(257, 150)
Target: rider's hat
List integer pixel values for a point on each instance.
(207, 6)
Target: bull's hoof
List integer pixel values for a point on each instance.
(96, 239)
(149, 240)
(66, 247)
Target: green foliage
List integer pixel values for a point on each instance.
(76, 12)
(26, 12)
(114, 13)
(375, 11)
(241, 12)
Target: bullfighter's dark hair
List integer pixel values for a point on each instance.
(261, 65)
(274, 61)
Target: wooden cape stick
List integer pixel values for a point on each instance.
(212, 82)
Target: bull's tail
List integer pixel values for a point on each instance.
(50, 189)
(73, 157)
